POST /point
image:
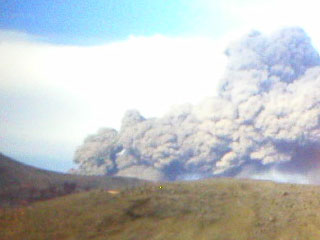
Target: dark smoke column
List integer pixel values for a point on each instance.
(266, 116)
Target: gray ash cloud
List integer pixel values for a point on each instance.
(266, 116)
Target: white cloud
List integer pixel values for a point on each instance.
(268, 16)
(142, 72)
(99, 83)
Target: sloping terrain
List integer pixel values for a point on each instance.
(20, 183)
(216, 209)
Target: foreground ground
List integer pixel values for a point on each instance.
(219, 209)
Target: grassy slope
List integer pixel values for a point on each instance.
(17, 180)
(221, 209)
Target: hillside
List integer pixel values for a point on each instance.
(20, 183)
(218, 209)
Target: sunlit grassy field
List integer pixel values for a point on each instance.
(217, 209)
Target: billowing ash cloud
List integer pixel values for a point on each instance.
(266, 117)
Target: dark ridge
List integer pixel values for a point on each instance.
(22, 184)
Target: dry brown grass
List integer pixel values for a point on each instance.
(220, 209)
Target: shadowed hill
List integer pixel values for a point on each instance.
(218, 209)
(20, 183)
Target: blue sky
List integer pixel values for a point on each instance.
(68, 68)
(92, 22)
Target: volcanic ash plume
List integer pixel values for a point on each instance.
(266, 117)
